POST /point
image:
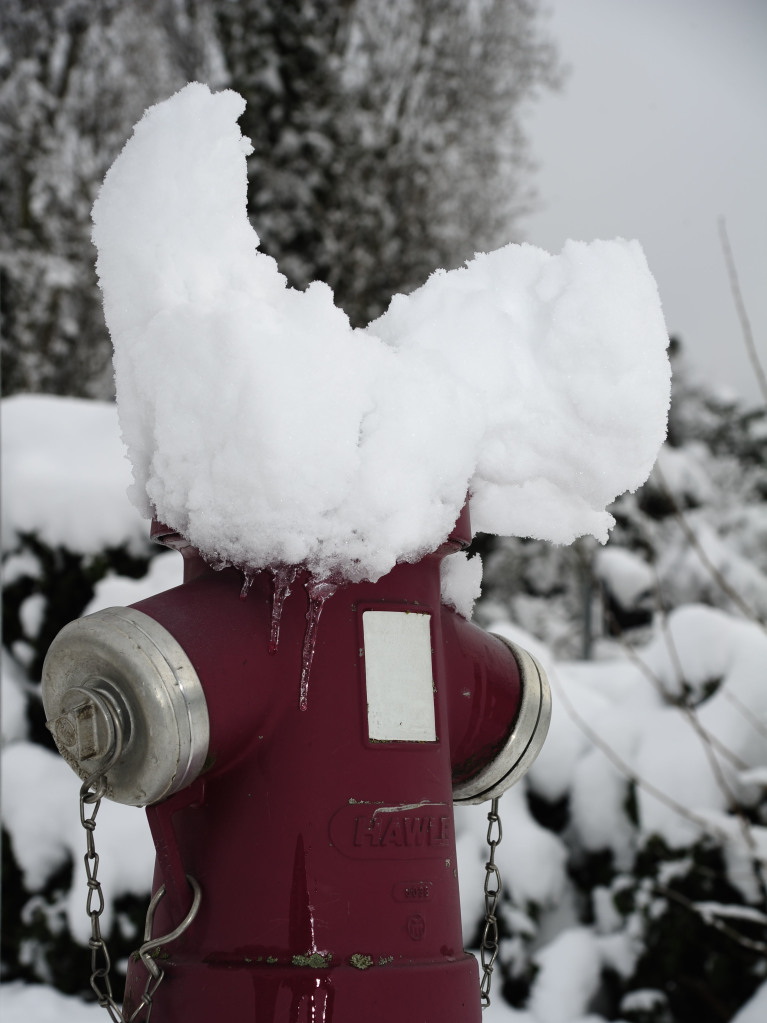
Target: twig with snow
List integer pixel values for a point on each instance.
(708, 827)
(707, 563)
(711, 744)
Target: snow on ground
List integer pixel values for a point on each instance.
(267, 430)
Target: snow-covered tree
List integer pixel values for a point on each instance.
(387, 137)
(74, 77)
(387, 141)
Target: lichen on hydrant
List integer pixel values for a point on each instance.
(317, 960)
(360, 961)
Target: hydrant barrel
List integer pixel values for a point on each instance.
(323, 840)
(500, 709)
(313, 805)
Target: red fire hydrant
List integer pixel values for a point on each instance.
(299, 756)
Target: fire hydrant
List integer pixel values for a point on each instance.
(299, 757)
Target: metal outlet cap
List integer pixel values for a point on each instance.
(122, 699)
(525, 740)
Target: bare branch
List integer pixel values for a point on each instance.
(704, 559)
(710, 740)
(747, 713)
(708, 917)
(740, 305)
(711, 744)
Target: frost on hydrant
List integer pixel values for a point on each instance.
(270, 433)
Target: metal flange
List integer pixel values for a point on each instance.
(123, 700)
(525, 739)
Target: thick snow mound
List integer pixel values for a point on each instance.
(461, 582)
(627, 578)
(267, 430)
(689, 770)
(40, 813)
(65, 472)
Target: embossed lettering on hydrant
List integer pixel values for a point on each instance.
(410, 831)
(400, 831)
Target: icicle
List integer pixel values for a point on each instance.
(319, 591)
(282, 578)
(247, 582)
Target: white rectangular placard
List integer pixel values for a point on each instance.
(398, 674)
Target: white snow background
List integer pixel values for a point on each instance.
(621, 705)
(267, 430)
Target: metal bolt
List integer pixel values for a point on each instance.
(87, 727)
(92, 724)
(64, 731)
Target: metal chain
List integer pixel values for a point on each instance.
(488, 947)
(92, 792)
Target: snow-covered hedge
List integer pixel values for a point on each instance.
(633, 853)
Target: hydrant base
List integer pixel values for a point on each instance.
(446, 992)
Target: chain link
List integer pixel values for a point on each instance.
(92, 792)
(488, 948)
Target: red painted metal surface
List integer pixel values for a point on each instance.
(326, 860)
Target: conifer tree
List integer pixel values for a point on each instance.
(387, 142)
(74, 77)
(387, 137)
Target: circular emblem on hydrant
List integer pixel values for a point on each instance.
(416, 926)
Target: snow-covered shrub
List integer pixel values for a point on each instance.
(653, 779)
(633, 869)
(69, 539)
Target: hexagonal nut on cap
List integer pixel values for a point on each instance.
(123, 700)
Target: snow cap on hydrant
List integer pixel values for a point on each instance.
(301, 713)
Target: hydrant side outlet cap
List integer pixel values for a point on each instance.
(525, 739)
(122, 699)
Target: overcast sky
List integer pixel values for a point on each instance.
(661, 128)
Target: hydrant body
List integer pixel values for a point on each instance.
(317, 820)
